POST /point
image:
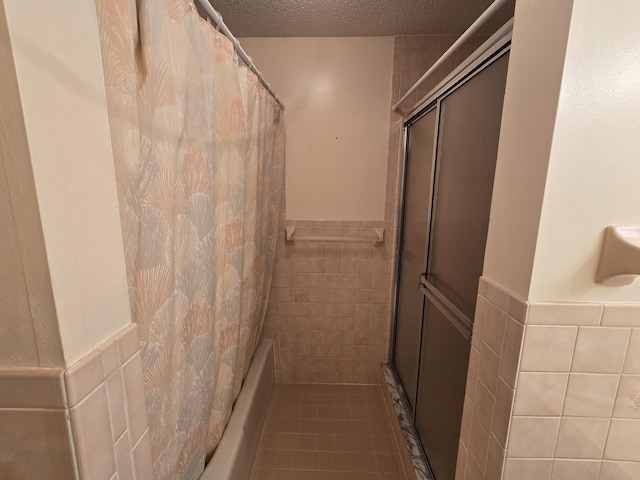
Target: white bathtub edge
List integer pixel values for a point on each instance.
(233, 459)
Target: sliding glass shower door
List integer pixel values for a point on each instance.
(455, 219)
(415, 231)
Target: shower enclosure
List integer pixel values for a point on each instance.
(451, 149)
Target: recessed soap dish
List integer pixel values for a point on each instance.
(620, 258)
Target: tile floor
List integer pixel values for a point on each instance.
(327, 432)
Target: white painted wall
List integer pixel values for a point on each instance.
(536, 62)
(337, 93)
(569, 154)
(29, 329)
(594, 169)
(58, 63)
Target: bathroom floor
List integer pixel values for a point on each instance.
(327, 432)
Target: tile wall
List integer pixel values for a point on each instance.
(553, 391)
(88, 422)
(328, 306)
(35, 433)
(576, 412)
(491, 379)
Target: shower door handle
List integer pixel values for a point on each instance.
(452, 313)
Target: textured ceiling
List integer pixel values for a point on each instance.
(347, 18)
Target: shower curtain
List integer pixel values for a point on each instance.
(199, 156)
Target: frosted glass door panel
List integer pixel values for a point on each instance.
(467, 150)
(413, 254)
(443, 375)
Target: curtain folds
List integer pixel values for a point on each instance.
(199, 155)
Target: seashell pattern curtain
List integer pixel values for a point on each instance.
(199, 154)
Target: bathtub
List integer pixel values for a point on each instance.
(233, 459)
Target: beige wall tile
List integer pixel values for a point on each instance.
(128, 343)
(83, 377)
(142, 459)
(518, 310)
(511, 351)
(489, 367)
(32, 388)
(472, 468)
(92, 436)
(582, 437)
(136, 406)
(590, 395)
(115, 397)
(622, 442)
(621, 315)
(612, 470)
(502, 412)
(564, 314)
(494, 294)
(472, 372)
(479, 443)
(484, 404)
(109, 355)
(494, 327)
(548, 348)
(527, 469)
(461, 462)
(540, 394)
(495, 460)
(533, 437)
(632, 359)
(467, 415)
(628, 399)
(600, 349)
(479, 321)
(35, 444)
(575, 469)
(124, 464)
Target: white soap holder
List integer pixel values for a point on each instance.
(620, 258)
